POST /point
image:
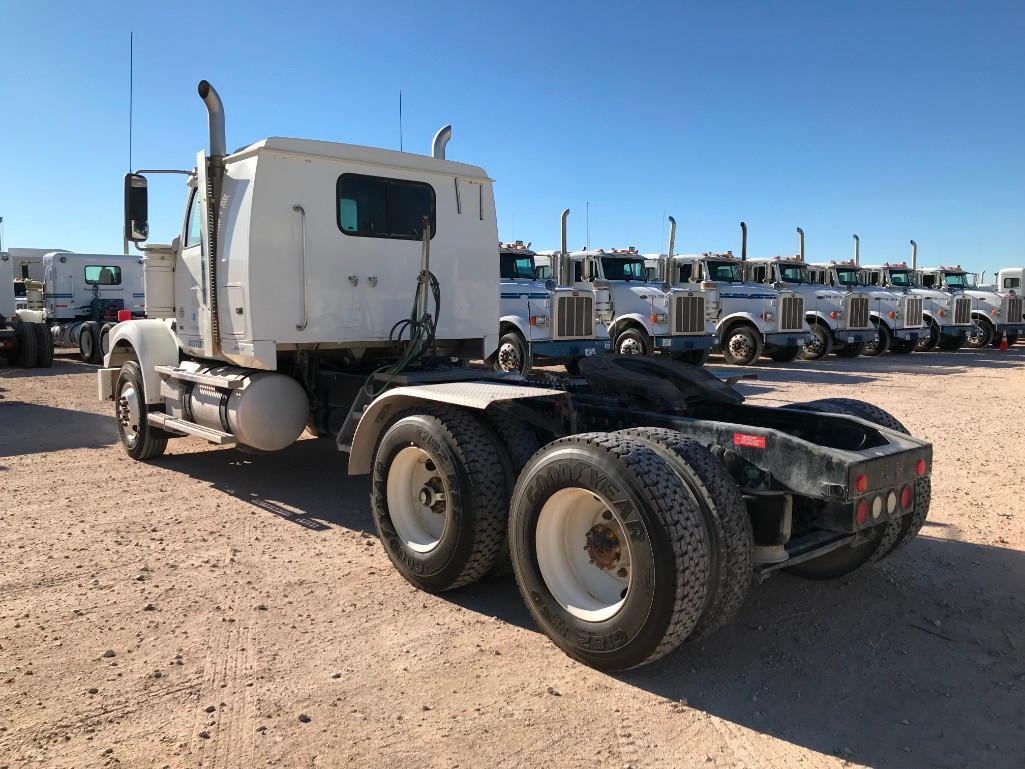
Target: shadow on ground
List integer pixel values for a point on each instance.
(875, 668)
(30, 428)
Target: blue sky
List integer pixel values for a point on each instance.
(894, 120)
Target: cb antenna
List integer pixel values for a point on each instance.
(131, 93)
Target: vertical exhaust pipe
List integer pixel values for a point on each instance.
(857, 251)
(441, 141)
(563, 272)
(800, 239)
(743, 241)
(667, 263)
(215, 118)
(914, 256)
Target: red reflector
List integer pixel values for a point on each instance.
(123, 315)
(861, 515)
(861, 483)
(905, 497)
(920, 468)
(750, 441)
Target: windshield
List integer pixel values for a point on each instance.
(730, 272)
(516, 267)
(622, 269)
(794, 273)
(848, 277)
(900, 277)
(956, 280)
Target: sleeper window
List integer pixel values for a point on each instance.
(378, 207)
(194, 230)
(103, 275)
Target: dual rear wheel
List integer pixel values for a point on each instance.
(623, 544)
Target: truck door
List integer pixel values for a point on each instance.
(189, 277)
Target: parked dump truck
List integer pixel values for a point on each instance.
(995, 315)
(24, 338)
(541, 319)
(636, 502)
(85, 292)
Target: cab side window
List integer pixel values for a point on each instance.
(686, 272)
(759, 274)
(928, 281)
(194, 228)
(1012, 282)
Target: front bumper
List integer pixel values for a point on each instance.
(850, 336)
(785, 338)
(684, 342)
(954, 330)
(907, 334)
(570, 348)
(1014, 328)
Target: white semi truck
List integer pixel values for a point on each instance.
(838, 316)
(540, 319)
(636, 502)
(83, 295)
(995, 315)
(28, 262)
(25, 340)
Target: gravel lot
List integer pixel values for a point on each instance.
(221, 609)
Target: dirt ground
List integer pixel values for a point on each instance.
(219, 609)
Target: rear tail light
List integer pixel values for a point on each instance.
(920, 468)
(861, 483)
(905, 497)
(877, 506)
(861, 514)
(891, 503)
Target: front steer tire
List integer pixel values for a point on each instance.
(612, 498)
(820, 344)
(460, 457)
(716, 494)
(741, 345)
(140, 440)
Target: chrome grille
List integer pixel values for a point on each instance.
(912, 311)
(791, 313)
(857, 312)
(689, 315)
(574, 317)
(1013, 311)
(962, 311)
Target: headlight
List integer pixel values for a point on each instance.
(659, 317)
(942, 313)
(891, 315)
(995, 311)
(539, 320)
(767, 316)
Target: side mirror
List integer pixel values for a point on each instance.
(136, 208)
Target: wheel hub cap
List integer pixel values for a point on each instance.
(509, 357)
(740, 346)
(630, 347)
(583, 553)
(417, 497)
(128, 413)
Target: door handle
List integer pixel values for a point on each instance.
(302, 263)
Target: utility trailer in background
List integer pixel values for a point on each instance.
(636, 501)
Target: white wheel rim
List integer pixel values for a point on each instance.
(128, 414)
(509, 357)
(740, 346)
(630, 346)
(976, 335)
(418, 499)
(816, 345)
(86, 342)
(583, 552)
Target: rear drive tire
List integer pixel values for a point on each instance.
(572, 366)
(951, 343)
(1012, 339)
(88, 341)
(634, 342)
(105, 340)
(902, 347)
(784, 354)
(28, 347)
(718, 497)
(820, 344)
(141, 441)
(610, 553)
(439, 497)
(882, 342)
(742, 346)
(44, 345)
(512, 354)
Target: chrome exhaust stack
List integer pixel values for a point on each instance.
(800, 240)
(914, 256)
(441, 141)
(857, 251)
(215, 178)
(562, 274)
(667, 262)
(743, 241)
